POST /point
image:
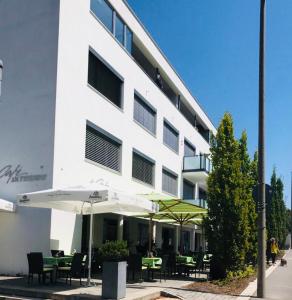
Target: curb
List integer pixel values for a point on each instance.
(252, 287)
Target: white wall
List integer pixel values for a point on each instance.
(28, 48)
(76, 102)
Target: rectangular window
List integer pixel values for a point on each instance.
(143, 168)
(119, 29)
(144, 114)
(129, 40)
(170, 136)
(103, 149)
(169, 182)
(188, 190)
(189, 150)
(103, 12)
(104, 80)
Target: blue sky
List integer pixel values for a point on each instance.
(214, 47)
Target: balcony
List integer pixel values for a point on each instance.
(197, 168)
(199, 202)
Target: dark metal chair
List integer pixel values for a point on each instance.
(36, 266)
(162, 269)
(135, 266)
(75, 270)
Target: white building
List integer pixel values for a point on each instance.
(87, 96)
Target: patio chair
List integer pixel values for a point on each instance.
(199, 265)
(135, 266)
(162, 269)
(172, 264)
(73, 271)
(36, 266)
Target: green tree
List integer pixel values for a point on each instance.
(226, 223)
(248, 172)
(276, 211)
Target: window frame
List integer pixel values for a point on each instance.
(173, 174)
(165, 121)
(187, 141)
(102, 60)
(109, 136)
(150, 160)
(147, 103)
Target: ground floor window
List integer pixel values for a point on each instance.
(110, 229)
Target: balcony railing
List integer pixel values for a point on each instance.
(199, 202)
(197, 163)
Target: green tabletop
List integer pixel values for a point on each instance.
(185, 259)
(150, 262)
(57, 261)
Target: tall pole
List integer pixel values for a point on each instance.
(261, 163)
(90, 244)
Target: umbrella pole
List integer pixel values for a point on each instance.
(150, 235)
(181, 239)
(90, 244)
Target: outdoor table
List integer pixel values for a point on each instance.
(150, 262)
(184, 260)
(57, 261)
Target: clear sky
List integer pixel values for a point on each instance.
(213, 44)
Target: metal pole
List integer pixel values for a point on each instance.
(150, 234)
(181, 240)
(1, 75)
(261, 163)
(90, 244)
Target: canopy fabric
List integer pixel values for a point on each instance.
(78, 200)
(174, 210)
(7, 206)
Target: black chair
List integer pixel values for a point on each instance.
(75, 270)
(135, 266)
(172, 264)
(162, 269)
(57, 253)
(36, 266)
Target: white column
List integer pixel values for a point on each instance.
(154, 224)
(192, 239)
(196, 191)
(120, 227)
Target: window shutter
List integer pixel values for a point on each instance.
(189, 149)
(143, 169)
(102, 149)
(169, 182)
(170, 137)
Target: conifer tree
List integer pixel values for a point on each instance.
(225, 224)
(247, 186)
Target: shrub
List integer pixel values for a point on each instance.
(114, 251)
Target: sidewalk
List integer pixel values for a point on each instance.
(279, 283)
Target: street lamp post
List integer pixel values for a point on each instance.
(261, 164)
(1, 74)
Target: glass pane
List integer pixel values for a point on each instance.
(129, 40)
(103, 11)
(119, 30)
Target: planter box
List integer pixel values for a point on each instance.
(114, 280)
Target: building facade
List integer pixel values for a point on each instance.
(89, 98)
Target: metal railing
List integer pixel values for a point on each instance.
(197, 163)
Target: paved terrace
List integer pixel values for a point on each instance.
(17, 286)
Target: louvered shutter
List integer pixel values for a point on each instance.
(170, 137)
(142, 169)
(189, 149)
(169, 182)
(102, 149)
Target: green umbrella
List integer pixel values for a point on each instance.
(174, 210)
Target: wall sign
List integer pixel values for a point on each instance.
(13, 174)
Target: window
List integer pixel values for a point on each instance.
(144, 114)
(102, 148)
(129, 40)
(170, 136)
(143, 168)
(119, 29)
(188, 190)
(169, 182)
(104, 80)
(103, 11)
(190, 150)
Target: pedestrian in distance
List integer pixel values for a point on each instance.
(274, 250)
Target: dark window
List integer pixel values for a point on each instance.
(129, 40)
(103, 11)
(102, 149)
(188, 190)
(143, 169)
(104, 80)
(119, 29)
(169, 182)
(144, 114)
(189, 150)
(170, 136)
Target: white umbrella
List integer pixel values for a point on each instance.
(7, 206)
(88, 200)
